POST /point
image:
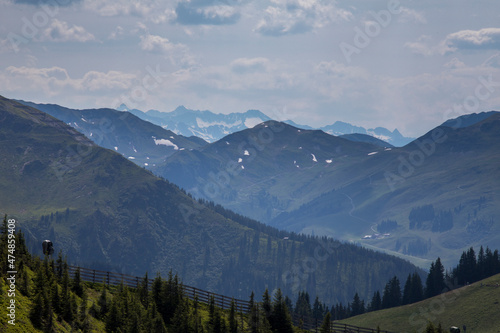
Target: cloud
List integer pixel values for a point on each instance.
(421, 46)
(178, 54)
(117, 33)
(248, 65)
(111, 80)
(207, 12)
(299, 16)
(487, 38)
(407, 15)
(56, 80)
(483, 39)
(454, 64)
(62, 3)
(60, 31)
(122, 7)
(493, 61)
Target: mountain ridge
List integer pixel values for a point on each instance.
(105, 211)
(142, 142)
(215, 126)
(350, 196)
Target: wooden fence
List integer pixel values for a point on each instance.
(203, 296)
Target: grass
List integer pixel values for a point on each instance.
(477, 306)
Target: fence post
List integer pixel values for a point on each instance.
(107, 273)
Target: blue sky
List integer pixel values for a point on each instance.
(399, 64)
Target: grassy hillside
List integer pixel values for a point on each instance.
(477, 306)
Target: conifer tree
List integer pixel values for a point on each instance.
(407, 291)
(392, 294)
(357, 306)
(266, 304)
(253, 317)
(435, 279)
(318, 311)
(327, 323)
(144, 291)
(280, 319)
(77, 285)
(417, 290)
(233, 322)
(103, 303)
(376, 303)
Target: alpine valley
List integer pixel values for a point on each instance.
(105, 212)
(432, 197)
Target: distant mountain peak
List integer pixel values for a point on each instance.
(123, 107)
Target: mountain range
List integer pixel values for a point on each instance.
(103, 211)
(211, 126)
(140, 141)
(432, 197)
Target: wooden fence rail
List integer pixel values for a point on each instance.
(203, 296)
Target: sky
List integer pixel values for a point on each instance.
(408, 65)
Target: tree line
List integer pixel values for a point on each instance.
(471, 268)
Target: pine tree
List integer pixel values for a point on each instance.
(253, 317)
(266, 304)
(103, 303)
(144, 291)
(417, 290)
(77, 285)
(303, 307)
(357, 306)
(233, 322)
(318, 310)
(327, 323)
(435, 279)
(407, 291)
(481, 264)
(392, 294)
(281, 320)
(376, 303)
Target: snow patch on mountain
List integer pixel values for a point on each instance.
(204, 124)
(252, 122)
(166, 143)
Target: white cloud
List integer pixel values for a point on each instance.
(483, 39)
(207, 12)
(120, 7)
(244, 65)
(99, 81)
(159, 44)
(487, 38)
(407, 15)
(117, 33)
(422, 46)
(298, 16)
(454, 64)
(60, 31)
(178, 54)
(56, 80)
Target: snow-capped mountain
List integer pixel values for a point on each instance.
(340, 128)
(204, 124)
(212, 126)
